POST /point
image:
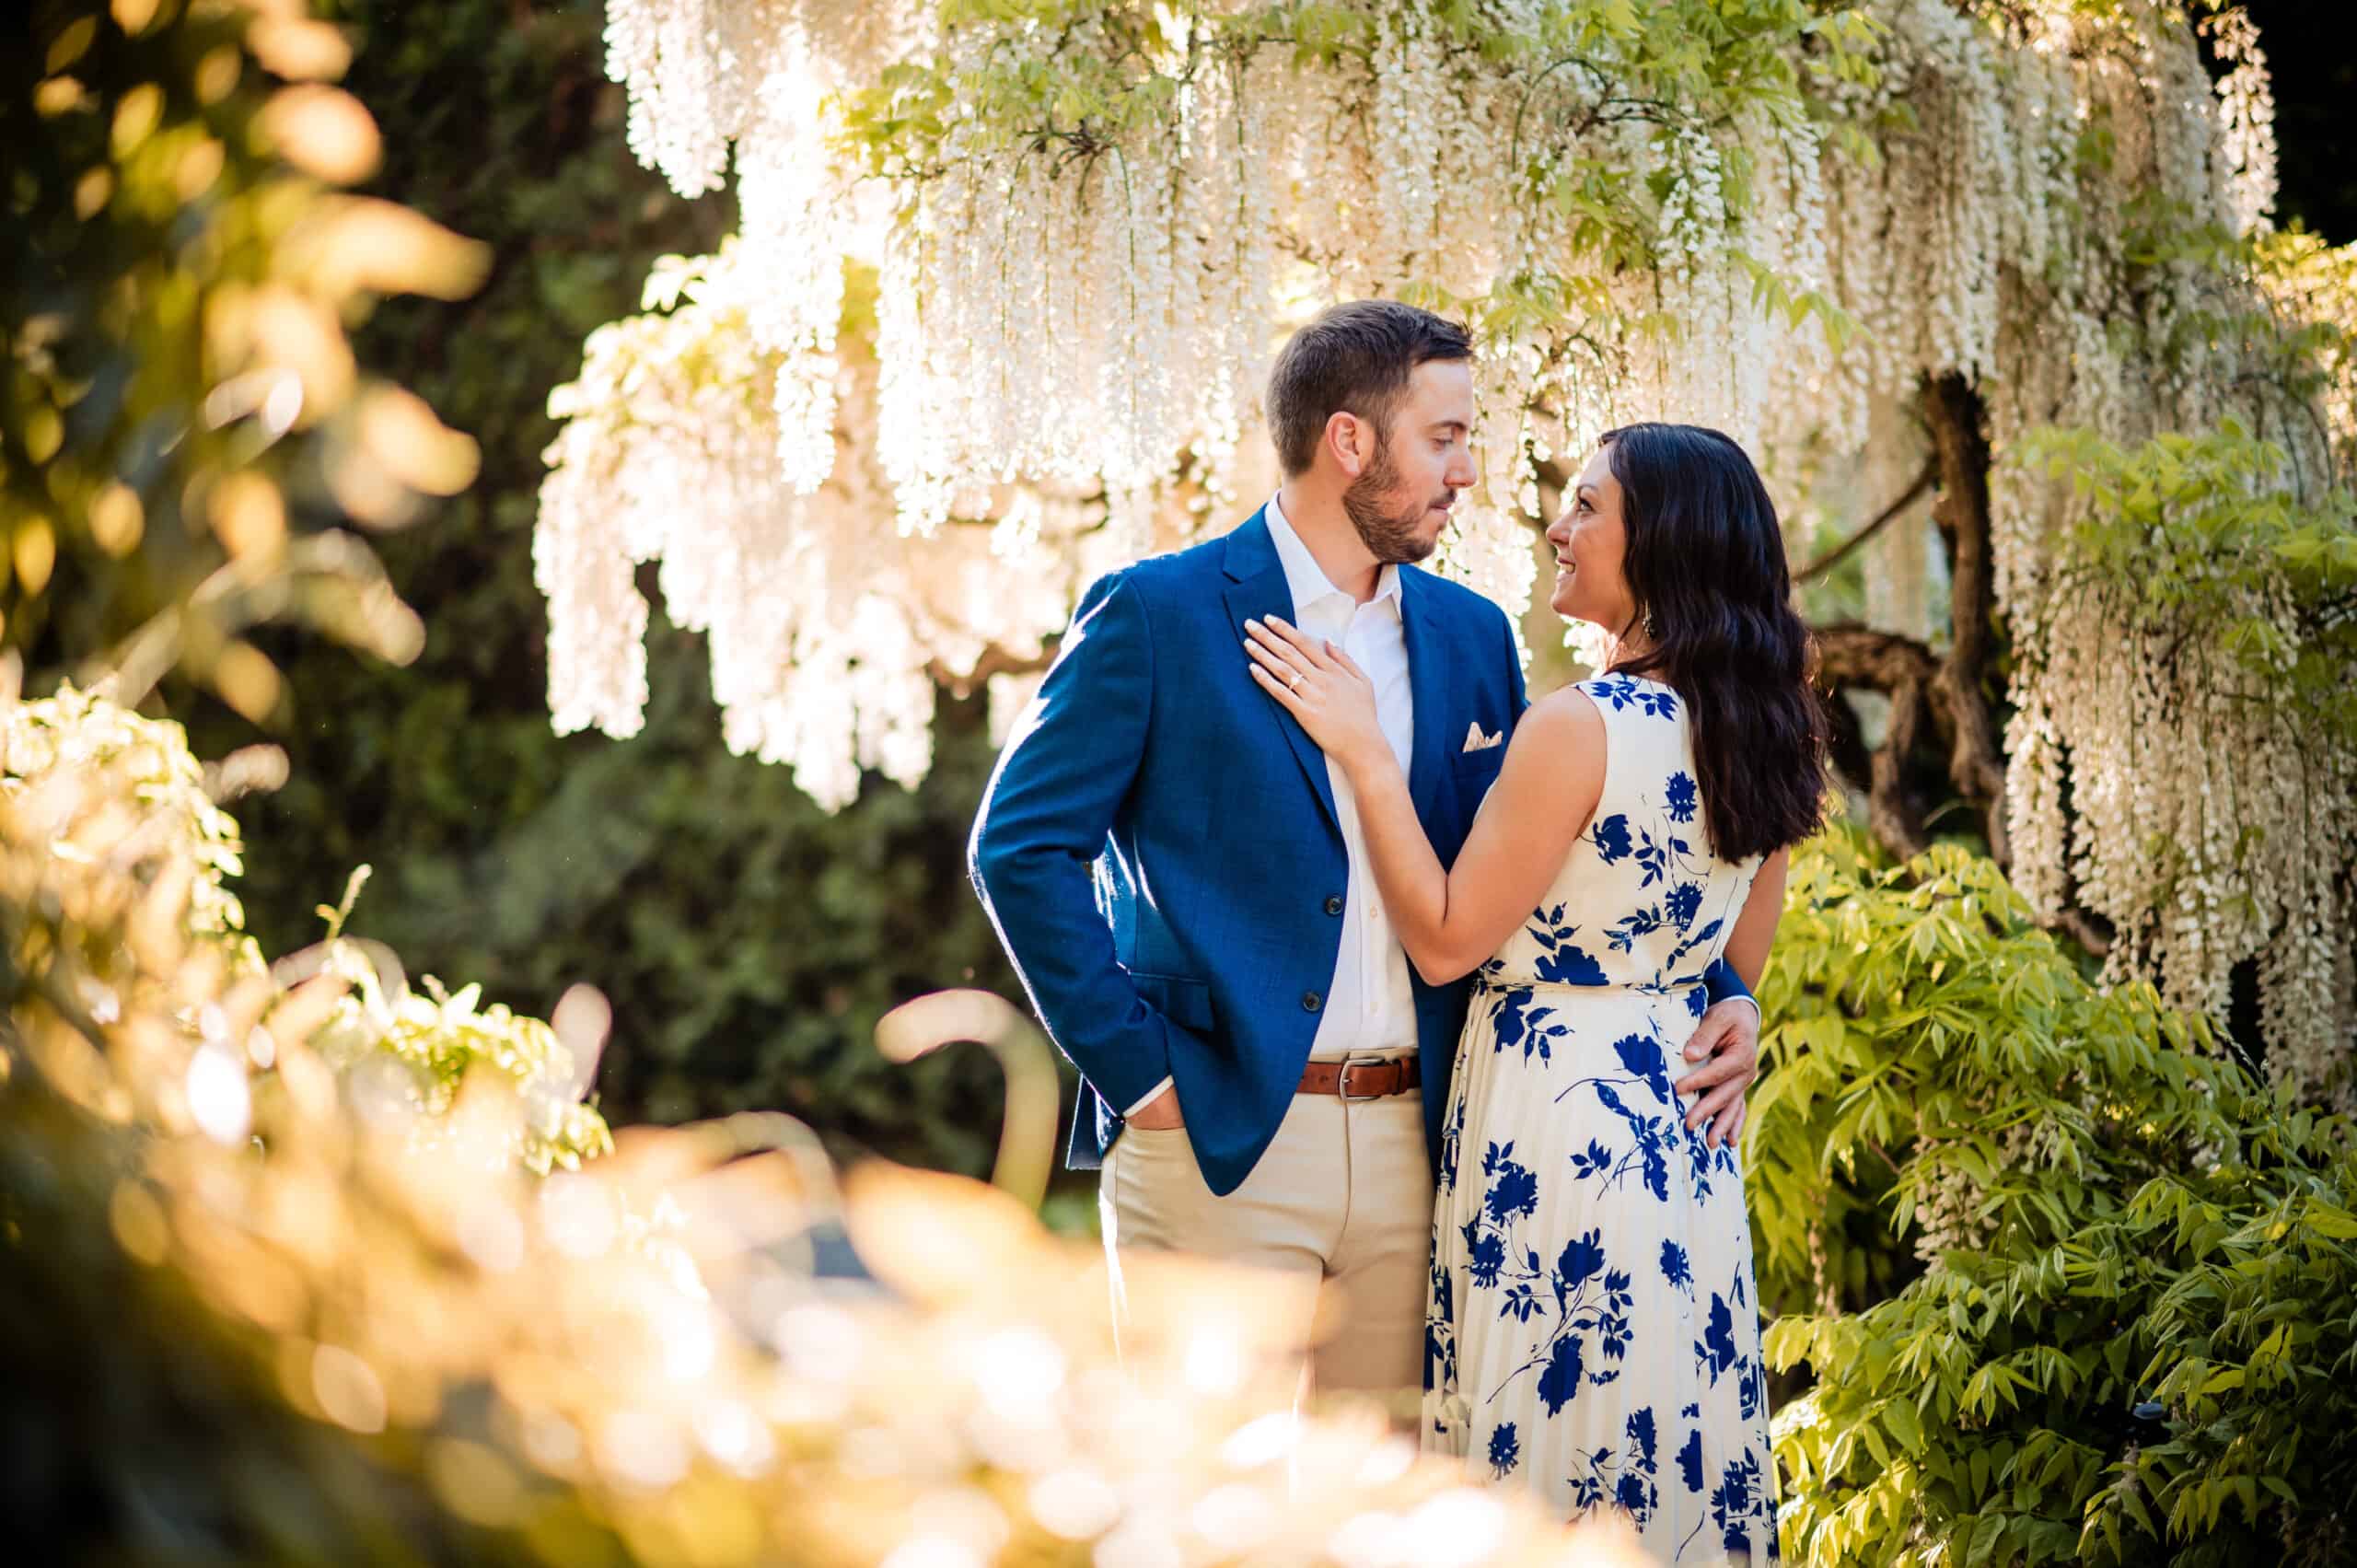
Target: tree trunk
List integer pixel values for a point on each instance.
(1976, 760)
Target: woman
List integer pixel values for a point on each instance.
(1593, 1329)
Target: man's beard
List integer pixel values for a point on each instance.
(1390, 536)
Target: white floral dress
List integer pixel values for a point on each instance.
(1593, 1333)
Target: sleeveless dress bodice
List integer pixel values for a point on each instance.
(1640, 902)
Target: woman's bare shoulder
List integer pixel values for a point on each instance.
(1565, 720)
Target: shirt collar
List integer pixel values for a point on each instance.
(1305, 579)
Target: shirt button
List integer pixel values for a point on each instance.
(1311, 1002)
(1334, 906)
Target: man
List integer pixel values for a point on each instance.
(1180, 878)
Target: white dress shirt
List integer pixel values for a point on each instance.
(1370, 1005)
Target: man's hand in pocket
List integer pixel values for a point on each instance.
(1159, 1114)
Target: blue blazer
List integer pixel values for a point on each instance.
(1159, 852)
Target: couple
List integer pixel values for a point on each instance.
(1378, 975)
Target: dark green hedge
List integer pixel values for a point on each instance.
(748, 941)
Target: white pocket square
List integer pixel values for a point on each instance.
(1476, 741)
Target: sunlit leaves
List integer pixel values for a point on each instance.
(2115, 1218)
(180, 408)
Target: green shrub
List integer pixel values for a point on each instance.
(416, 1052)
(96, 788)
(2083, 1288)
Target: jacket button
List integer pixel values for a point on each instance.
(1311, 1002)
(1334, 906)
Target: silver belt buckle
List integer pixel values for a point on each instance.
(1342, 1079)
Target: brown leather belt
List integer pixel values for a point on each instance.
(1361, 1080)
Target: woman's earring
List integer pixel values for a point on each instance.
(1649, 623)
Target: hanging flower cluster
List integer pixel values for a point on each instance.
(1093, 225)
(828, 629)
(1098, 223)
(2070, 224)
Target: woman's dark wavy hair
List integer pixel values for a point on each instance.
(1705, 563)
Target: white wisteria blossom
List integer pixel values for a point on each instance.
(828, 629)
(1094, 224)
(1087, 307)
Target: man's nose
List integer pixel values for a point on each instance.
(1460, 474)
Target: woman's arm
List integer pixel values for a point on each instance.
(1755, 928)
(1545, 792)
(1449, 921)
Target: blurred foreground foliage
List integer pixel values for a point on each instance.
(2071, 1282)
(183, 425)
(298, 1265)
(748, 941)
(261, 1302)
(106, 794)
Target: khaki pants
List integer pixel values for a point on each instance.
(1342, 1201)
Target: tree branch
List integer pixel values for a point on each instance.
(1904, 671)
(996, 660)
(2091, 932)
(1852, 655)
(1975, 762)
(1889, 515)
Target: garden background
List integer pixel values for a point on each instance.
(749, 940)
(2064, 1273)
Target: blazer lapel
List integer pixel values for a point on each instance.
(1256, 590)
(1427, 645)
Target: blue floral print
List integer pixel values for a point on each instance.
(1611, 837)
(1514, 1023)
(1624, 933)
(1623, 691)
(1561, 960)
(1512, 1191)
(1681, 797)
(1652, 859)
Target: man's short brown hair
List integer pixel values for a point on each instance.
(1355, 357)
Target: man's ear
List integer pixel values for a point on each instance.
(1349, 440)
